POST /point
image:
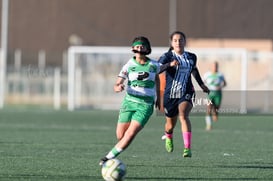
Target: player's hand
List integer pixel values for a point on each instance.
(205, 88)
(119, 87)
(174, 63)
(158, 103)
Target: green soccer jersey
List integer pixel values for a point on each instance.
(214, 81)
(141, 80)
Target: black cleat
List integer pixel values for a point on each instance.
(103, 160)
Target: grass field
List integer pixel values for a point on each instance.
(48, 145)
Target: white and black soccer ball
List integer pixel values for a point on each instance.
(113, 170)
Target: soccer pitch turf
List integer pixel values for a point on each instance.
(60, 145)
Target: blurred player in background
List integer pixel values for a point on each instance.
(215, 81)
(138, 103)
(179, 91)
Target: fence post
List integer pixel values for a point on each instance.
(57, 88)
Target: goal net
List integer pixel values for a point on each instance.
(92, 72)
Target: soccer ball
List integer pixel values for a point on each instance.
(113, 170)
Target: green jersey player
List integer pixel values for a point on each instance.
(141, 95)
(215, 81)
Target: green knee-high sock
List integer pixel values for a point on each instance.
(114, 153)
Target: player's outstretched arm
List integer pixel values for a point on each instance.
(199, 80)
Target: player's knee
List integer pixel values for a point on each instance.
(184, 116)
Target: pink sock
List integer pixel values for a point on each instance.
(169, 135)
(187, 139)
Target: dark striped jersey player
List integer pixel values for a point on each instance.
(179, 90)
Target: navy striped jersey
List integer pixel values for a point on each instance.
(178, 78)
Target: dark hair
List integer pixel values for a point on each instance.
(146, 42)
(216, 64)
(175, 33)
